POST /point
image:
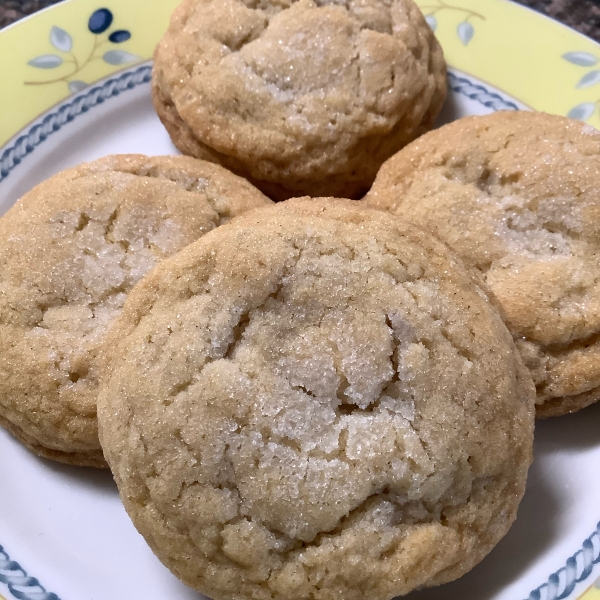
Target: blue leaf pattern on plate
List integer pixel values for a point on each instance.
(582, 112)
(589, 79)
(465, 32)
(583, 59)
(46, 61)
(119, 57)
(431, 21)
(98, 23)
(77, 85)
(60, 39)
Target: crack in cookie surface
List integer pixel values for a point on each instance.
(72, 249)
(292, 94)
(516, 195)
(334, 406)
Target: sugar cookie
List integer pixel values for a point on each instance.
(517, 195)
(316, 401)
(301, 97)
(70, 251)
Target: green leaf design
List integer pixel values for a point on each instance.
(465, 32)
(583, 59)
(582, 112)
(589, 79)
(431, 21)
(60, 39)
(120, 57)
(77, 85)
(46, 61)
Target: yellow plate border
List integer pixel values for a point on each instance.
(61, 51)
(538, 61)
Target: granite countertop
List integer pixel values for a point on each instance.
(583, 15)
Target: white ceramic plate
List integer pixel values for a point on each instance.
(63, 532)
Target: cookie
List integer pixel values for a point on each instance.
(301, 97)
(70, 251)
(517, 195)
(316, 401)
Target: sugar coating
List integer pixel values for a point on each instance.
(70, 251)
(300, 96)
(316, 401)
(517, 195)
(589, 129)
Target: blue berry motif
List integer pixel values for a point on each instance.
(99, 23)
(100, 20)
(121, 35)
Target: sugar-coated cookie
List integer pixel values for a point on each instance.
(517, 195)
(316, 401)
(70, 251)
(299, 96)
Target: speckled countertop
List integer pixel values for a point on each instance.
(583, 15)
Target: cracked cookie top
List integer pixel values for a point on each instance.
(70, 251)
(302, 97)
(316, 401)
(517, 195)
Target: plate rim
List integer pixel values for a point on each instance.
(559, 584)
